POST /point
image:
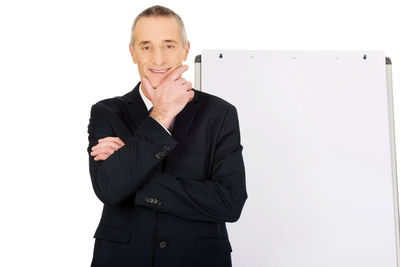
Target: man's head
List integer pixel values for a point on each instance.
(158, 43)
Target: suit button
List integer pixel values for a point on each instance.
(163, 244)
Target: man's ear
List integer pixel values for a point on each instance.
(187, 48)
(132, 53)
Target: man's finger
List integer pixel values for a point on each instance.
(189, 85)
(112, 139)
(107, 149)
(146, 85)
(191, 95)
(181, 81)
(108, 138)
(102, 152)
(176, 73)
(106, 144)
(101, 157)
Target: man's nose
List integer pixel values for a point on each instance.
(158, 57)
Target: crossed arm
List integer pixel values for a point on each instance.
(121, 169)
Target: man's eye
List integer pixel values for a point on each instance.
(170, 46)
(146, 47)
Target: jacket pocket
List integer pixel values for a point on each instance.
(213, 245)
(112, 234)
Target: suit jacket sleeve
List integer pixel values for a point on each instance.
(217, 198)
(128, 168)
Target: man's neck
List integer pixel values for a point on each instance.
(145, 98)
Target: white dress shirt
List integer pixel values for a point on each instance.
(149, 105)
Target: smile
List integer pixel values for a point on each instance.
(159, 71)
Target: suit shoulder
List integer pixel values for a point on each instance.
(110, 104)
(215, 102)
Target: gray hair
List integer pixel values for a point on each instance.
(163, 12)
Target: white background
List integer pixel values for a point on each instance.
(57, 58)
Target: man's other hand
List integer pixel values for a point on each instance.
(105, 147)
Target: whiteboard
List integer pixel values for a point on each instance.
(316, 129)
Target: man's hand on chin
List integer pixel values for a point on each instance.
(170, 96)
(105, 147)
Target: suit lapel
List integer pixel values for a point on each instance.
(184, 120)
(137, 109)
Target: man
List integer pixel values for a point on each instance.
(169, 178)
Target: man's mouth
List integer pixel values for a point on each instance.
(159, 71)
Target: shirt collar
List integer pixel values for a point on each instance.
(147, 102)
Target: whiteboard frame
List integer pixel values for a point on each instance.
(389, 86)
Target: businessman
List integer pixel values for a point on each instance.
(165, 160)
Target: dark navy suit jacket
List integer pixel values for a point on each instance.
(167, 197)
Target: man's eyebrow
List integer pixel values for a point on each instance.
(144, 43)
(170, 41)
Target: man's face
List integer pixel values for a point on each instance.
(158, 48)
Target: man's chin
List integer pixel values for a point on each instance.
(155, 84)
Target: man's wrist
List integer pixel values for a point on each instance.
(162, 119)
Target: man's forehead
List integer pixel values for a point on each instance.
(156, 29)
